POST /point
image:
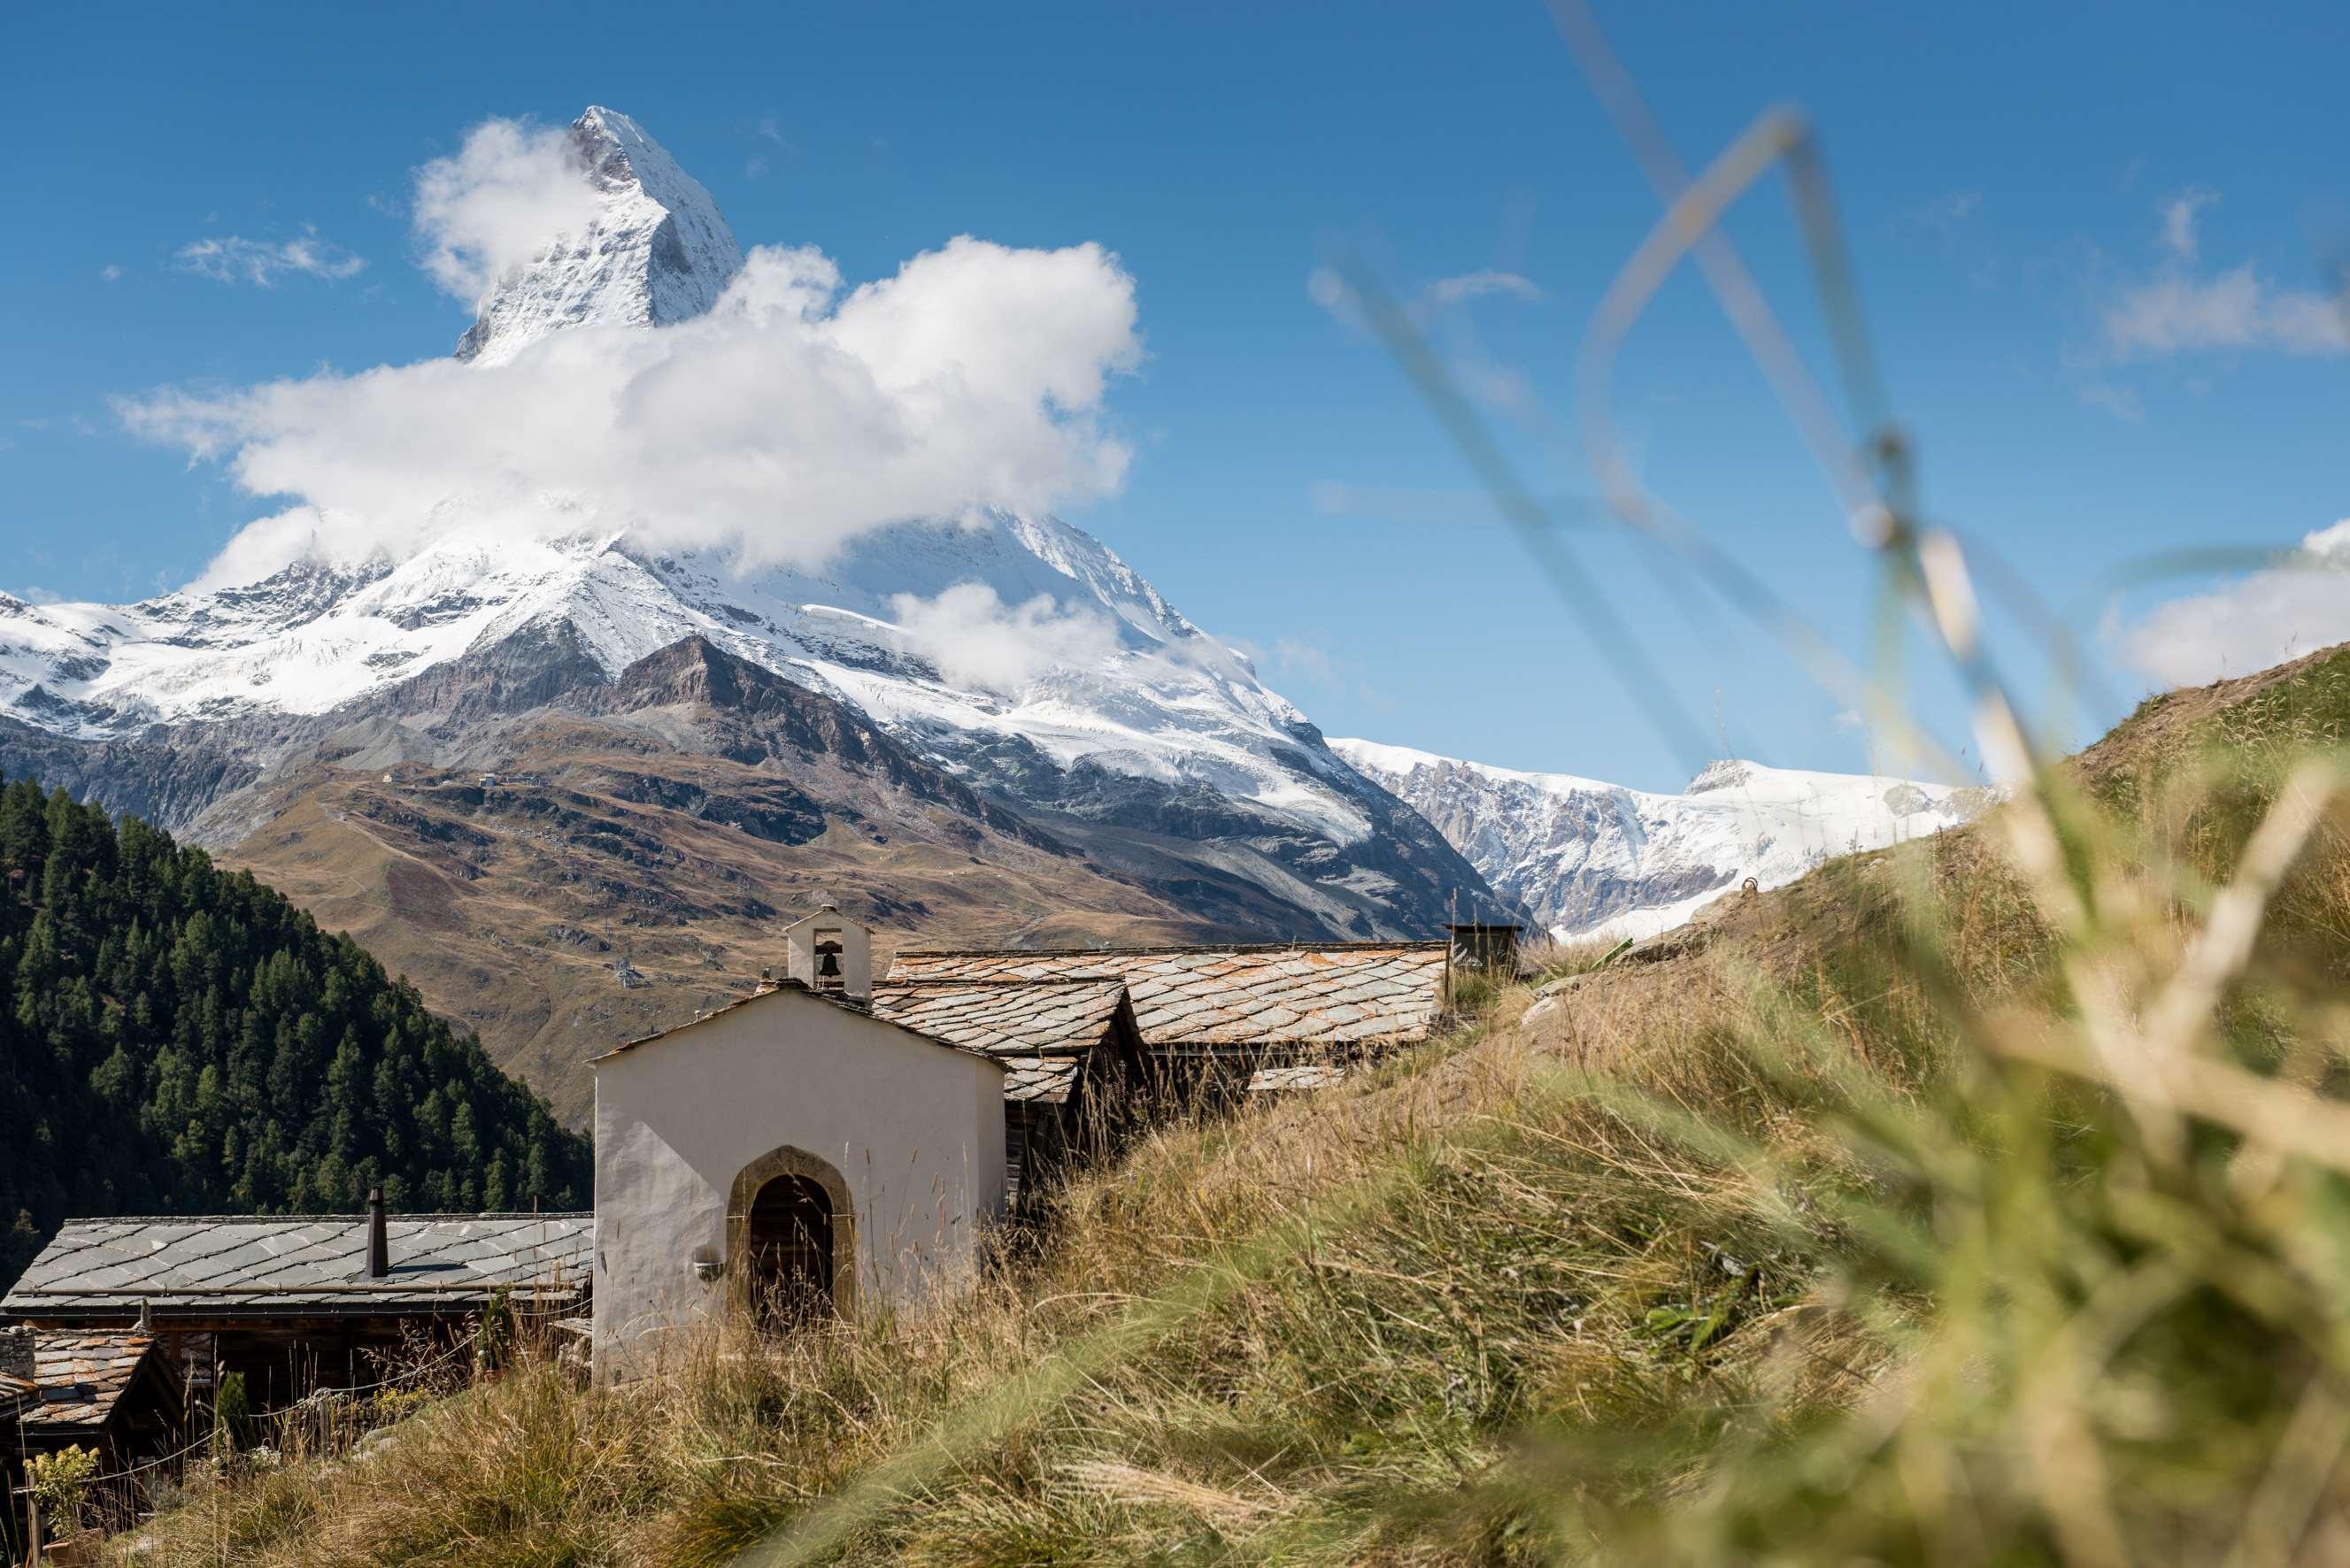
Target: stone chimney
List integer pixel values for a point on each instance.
(379, 1237)
(829, 952)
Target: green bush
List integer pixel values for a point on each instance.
(60, 1484)
(231, 1415)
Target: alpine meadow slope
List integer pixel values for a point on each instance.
(1703, 1254)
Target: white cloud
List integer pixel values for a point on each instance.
(2238, 309)
(1418, 507)
(1497, 385)
(110, 272)
(1327, 289)
(233, 258)
(1306, 658)
(497, 203)
(2122, 402)
(2180, 214)
(2183, 309)
(781, 424)
(765, 129)
(1445, 291)
(975, 639)
(2296, 607)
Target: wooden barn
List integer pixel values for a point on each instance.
(1261, 1019)
(1071, 1053)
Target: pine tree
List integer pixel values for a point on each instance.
(176, 1039)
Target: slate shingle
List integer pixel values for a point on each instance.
(1000, 1017)
(1235, 997)
(194, 1262)
(78, 1377)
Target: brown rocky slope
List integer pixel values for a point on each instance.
(561, 868)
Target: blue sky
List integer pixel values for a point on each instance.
(2092, 242)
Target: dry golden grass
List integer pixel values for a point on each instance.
(1293, 1332)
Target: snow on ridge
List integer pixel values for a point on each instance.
(1378, 758)
(1596, 859)
(1160, 701)
(656, 252)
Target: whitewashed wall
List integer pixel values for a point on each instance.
(914, 1129)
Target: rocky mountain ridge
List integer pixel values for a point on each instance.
(561, 861)
(1019, 653)
(654, 252)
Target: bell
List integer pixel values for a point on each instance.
(827, 964)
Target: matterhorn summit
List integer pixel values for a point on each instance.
(654, 253)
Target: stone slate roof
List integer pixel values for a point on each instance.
(1041, 1080)
(1217, 999)
(768, 988)
(78, 1377)
(1039, 1029)
(16, 1369)
(316, 1265)
(1056, 1016)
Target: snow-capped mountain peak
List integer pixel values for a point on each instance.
(654, 252)
(1004, 643)
(1017, 651)
(1591, 859)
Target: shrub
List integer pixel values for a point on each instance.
(60, 1484)
(231, 1415)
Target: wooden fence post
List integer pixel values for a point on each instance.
(33, 1528)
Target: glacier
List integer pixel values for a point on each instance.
(1595, 860)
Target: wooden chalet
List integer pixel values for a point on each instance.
(294, 1304)
(1263, 1019)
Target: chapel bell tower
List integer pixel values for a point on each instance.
(829, 952)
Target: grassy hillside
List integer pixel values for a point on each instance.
(1954, 1205)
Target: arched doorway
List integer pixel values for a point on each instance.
(791, 1238)
(787, 1244)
